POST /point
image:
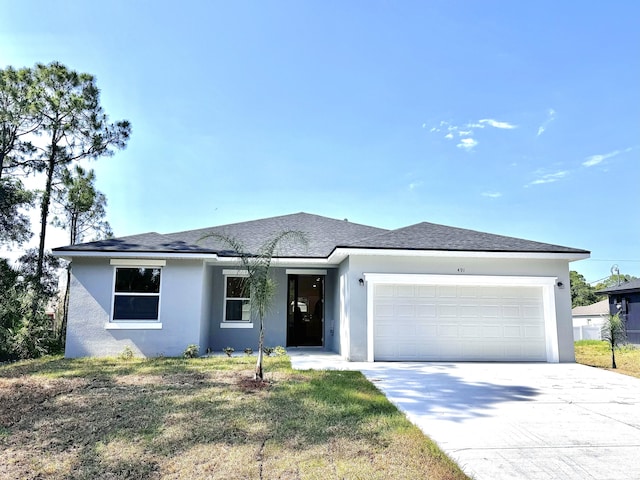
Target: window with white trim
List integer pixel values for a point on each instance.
(237, 300)
(136, 295)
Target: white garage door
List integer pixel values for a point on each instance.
(458, 323)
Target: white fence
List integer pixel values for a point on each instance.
(587, 332)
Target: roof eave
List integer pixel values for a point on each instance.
(71, 254)
(339, 253)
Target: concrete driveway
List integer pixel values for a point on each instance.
(518, 421)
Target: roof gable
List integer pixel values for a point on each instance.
(598, 308)
(323, 234)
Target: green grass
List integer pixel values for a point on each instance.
(597, 353)
(203, 418)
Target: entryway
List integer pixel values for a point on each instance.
(305, 310)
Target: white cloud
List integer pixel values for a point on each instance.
(492, 194)
(468, 130)
(550, 177)
(467, 143)
(496, 124)
(414, 185)
(551, 116)
(596, 159)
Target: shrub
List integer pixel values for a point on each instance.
(279, 351)
(228, 350)
(268, 351)
(192, 351)
(248, 351)
(126, 353)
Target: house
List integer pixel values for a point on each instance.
(423, 292)
(588, 320)
(625, 300)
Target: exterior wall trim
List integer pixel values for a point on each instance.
(137, 262)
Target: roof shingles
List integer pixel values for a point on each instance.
(323, 234)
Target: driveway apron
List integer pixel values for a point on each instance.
(521, 421)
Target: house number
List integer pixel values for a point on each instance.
(461, 270)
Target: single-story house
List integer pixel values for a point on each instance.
(423, 292)
(625, 300)
(588, 320)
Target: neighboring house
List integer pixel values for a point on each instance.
(588, 320)
(422, 292)
(625, 300)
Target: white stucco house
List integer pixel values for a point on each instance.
(588, 320)
(423, 292)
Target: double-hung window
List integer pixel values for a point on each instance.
(136, 295)
(237, 299)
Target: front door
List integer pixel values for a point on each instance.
(305, 310)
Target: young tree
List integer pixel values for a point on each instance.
(258, 282)
(83, 213)
(614, 333)
(75, 127)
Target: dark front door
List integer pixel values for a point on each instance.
(305, 310)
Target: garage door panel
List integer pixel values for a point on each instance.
(447, 330)
(426, 310)
(447, 311)
(447, 291)
(512, 331)
(426, 291)
(451, 322)
(531, 311)
(405, 291)
(426, 330)
(489, 311)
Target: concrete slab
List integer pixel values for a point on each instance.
(507, 421)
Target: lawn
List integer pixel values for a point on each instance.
(596, 353)
(203, 418)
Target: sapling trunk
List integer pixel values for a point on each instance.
(259, 374)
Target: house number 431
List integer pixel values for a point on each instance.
(460, 269)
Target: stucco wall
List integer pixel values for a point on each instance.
(356, 310)
(91, 302)
(275, 321)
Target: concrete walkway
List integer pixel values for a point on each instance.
(514, 421)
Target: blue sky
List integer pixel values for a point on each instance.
(516, 118)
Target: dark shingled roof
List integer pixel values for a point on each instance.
(323, 234)
(623, 287)
(431, 236)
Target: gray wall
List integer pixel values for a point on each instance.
(275, 321)
(90, 309)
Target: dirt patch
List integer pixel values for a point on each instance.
(251, 385)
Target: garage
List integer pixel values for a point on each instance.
(453, 318)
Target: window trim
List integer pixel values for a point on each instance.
(135, 323)
(227, 273)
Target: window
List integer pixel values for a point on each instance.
(136, 294)
(237, 304)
